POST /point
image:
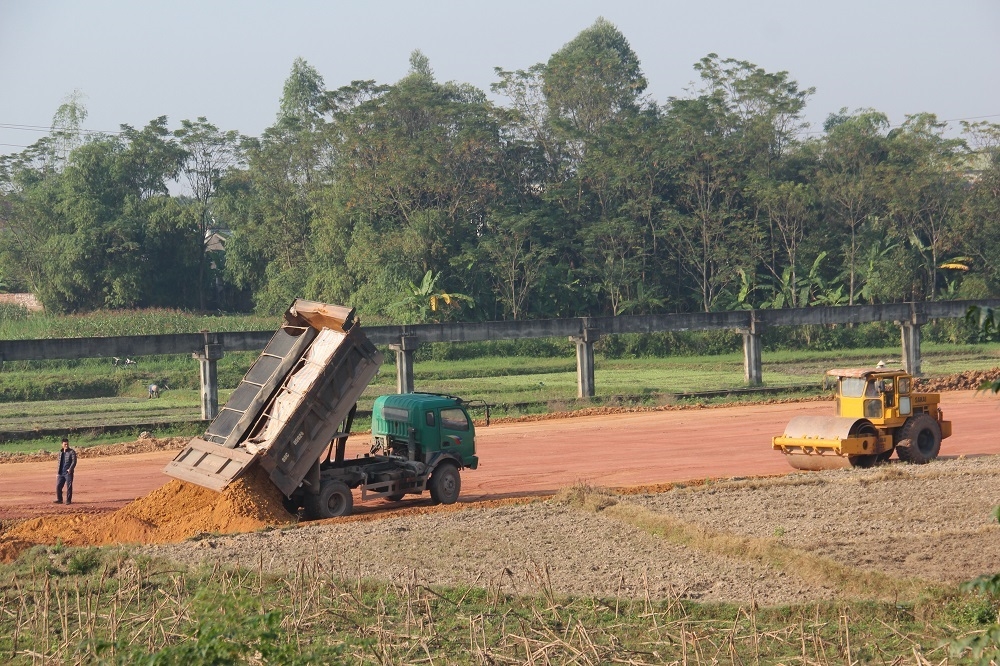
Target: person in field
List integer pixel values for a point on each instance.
(67, 466)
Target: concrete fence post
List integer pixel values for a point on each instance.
(753, 364)
(208, 357)
(585, 361)
(404, 349)
(910, 333)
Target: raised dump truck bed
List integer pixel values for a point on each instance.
(289, 405)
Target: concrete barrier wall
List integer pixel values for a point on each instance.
(208, 347)
(188, 343)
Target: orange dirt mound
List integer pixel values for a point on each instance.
(171, 513)
(963, 381)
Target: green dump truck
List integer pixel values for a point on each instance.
(292, 414)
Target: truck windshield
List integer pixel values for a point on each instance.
(454, 419)
(852, 387)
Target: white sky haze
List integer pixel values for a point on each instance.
(227, 60)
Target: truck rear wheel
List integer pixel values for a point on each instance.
(919, 440)
(445, 484)
(334, 499)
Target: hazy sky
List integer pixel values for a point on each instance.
(139, 59)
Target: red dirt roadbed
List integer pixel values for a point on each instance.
(540, 457)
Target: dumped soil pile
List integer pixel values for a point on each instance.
(171, 513)
(963, 381)
(145, 444)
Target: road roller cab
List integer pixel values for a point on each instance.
(877, 411)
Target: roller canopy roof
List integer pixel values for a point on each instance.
(865, 373)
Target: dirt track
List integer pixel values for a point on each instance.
(540, 457)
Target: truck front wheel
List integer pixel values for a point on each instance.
(334, 499)
(445, 484)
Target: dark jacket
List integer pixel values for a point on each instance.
(67, 462)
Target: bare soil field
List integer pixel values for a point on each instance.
(705, 510)
(862, 533)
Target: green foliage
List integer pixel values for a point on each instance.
(579, 195)
(106, 323)
(232, 616)
(983, 609)
(425, 303)
(83, 560)
(12, 312)
(592, 78)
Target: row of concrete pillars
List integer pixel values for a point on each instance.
(752, 358)
(212, 351)
(754, 368)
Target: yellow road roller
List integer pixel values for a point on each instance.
(877, 412)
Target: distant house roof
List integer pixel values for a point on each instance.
(215, 241)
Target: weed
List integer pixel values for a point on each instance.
(83, 560)
(161, 614)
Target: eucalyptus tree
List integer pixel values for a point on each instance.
(790, 210)
(926, 189)
(728, 142)
(708, 228)
(210, 153)
(980, 230)
(849, 183)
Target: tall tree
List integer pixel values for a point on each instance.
(106, 231)
(416, 169)
(210, 154)
(268, 207)
(67, 125)
(849, 180)
(592, 79)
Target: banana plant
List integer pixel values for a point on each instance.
(429, 303)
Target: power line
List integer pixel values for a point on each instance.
(40, 128)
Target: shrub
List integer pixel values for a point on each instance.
(83, 560)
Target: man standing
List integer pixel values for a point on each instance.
(67, 465)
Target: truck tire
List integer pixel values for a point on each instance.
(919, 440)
(445, 484)
(334, 499)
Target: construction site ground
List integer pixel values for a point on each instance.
(753, 531)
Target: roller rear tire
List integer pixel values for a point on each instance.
(919, 440)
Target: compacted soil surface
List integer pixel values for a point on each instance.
(867, 533)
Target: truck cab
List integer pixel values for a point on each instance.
(881, 397)
(424, 427)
